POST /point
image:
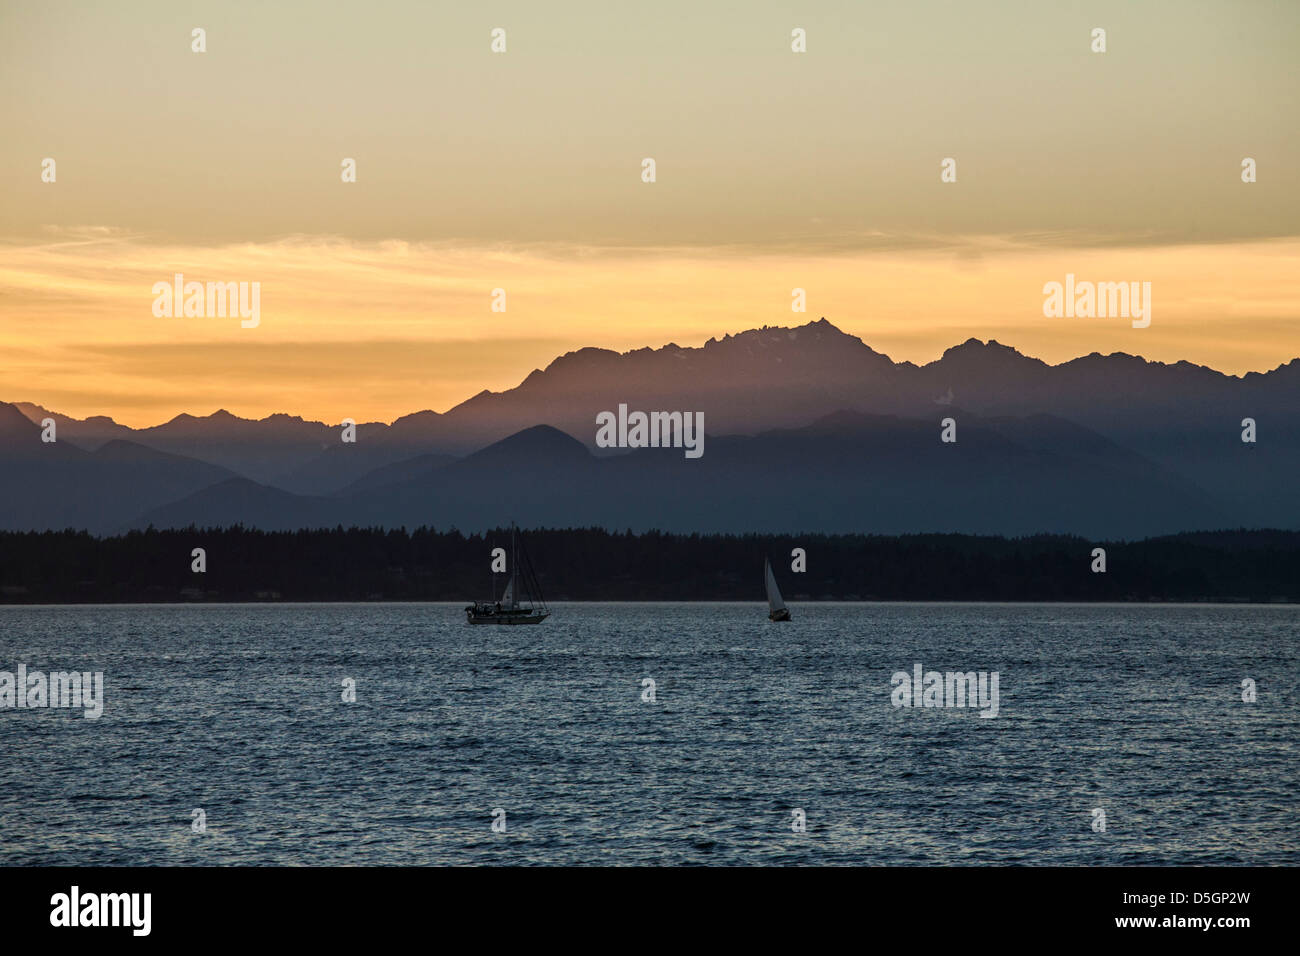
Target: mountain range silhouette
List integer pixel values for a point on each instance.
(808, 429)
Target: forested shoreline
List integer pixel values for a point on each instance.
(590, 564)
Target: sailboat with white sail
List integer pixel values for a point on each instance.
(776, 609)
(509, 610)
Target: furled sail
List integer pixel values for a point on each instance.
(774, 601)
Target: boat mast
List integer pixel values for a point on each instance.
(514, 565)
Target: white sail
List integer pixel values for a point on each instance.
(508, 597)
(774, 602)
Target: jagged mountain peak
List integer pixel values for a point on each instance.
(979, 350)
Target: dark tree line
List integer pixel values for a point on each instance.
(589, 564)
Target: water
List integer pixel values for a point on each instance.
(237, 710)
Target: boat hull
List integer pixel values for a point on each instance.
(781, 615)
(505, 619)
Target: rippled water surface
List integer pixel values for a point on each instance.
(237, 710)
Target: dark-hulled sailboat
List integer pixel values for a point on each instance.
(509, 610)
(776, 609)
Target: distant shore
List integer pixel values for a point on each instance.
(592, 565)
(456, 605)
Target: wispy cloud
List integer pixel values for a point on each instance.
(375, 329)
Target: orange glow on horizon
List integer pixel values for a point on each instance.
(374, 331)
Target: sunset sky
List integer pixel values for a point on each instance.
(522, 170)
